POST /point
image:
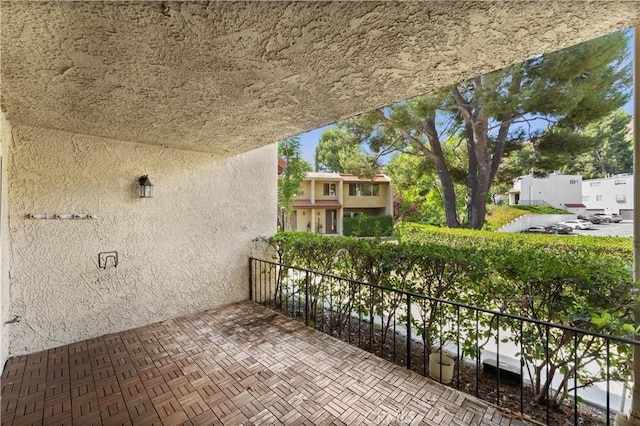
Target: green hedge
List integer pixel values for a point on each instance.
(368, 226)
(584, 282)
(619, 248)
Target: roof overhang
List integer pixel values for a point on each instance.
(319, 204)
(229, 77)
(353, 178)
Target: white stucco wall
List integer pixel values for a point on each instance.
(528, 220)
(183, 251)
(608, 195)
(556, 190)
(5, 143)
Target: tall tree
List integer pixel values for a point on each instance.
(294, 173)
(339, 151)
(493, 113)
(614, 153)
(417, 189)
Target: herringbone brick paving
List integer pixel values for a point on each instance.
(239, 364)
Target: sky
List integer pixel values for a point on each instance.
(309, 140)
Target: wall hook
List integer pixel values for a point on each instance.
(103, 259)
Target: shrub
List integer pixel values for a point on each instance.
(583, 282)
(368, 226)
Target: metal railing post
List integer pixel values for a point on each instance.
(408, 332)
(251, 278)
(306, 299)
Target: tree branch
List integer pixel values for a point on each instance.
(462, 105)
(412, 140)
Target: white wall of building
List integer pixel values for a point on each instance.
(183, 251)
(5, 142)
(555, 190)
(608, 195)
(528, 220)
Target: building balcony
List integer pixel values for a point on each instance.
(247, 364)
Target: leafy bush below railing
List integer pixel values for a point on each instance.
(576, 282)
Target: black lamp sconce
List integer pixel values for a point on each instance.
(146, 187)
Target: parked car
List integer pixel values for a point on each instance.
(560, 228)
(596, 220)
(616, 218)
(591, 218)
(606, 218)
(538, 229)
(578, 224)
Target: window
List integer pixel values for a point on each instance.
(364, 189)
(619, 182)
(573, 181)
(585, 198)
(329, 189)
(594, 183)
(598, 197)
(621, 199)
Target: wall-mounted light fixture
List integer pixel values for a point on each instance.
(146, 187)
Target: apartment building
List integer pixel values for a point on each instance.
(326, 197)
(557, 190)
(612, 194)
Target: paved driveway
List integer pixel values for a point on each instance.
(622, 229)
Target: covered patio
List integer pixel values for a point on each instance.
(195, 95)
(238, 364)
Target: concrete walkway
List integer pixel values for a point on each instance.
(239, 364)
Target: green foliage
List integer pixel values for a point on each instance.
(418, 193)
(498, 216)
(614, 153)
(340, 152)
(603, 148)
(583, 282)
(368, 226)
(294, 173)
(466, 129)
(540, 209)
(619, 249)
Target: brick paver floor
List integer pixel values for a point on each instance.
(239, 364)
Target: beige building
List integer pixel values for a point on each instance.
(326, 198)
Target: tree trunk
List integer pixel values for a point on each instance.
(542, 395)
(449, 194)
(437, 156)
(480, 183)
(448, 189)
(476, 212)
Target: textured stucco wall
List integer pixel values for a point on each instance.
(615, 193)
(183, 251)
(556, 190)
(227, 77)
(5, 143)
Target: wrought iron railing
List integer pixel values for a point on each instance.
(540, 369)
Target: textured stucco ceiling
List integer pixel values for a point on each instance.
(232, 76)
